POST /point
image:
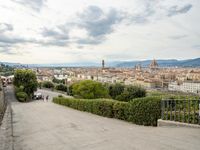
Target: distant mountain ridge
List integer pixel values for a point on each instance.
(162, 63)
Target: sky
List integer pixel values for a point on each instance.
(70, 31)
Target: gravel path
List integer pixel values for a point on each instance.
(43, 125)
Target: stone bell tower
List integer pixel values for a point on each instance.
(103, 64)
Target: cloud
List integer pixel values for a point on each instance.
(152, 10)
(90, 40)
(7, 51)
(175, 10)
(36, 5)
(142, 16)
(9, 41)
(58, 36)
(5, 27)
(177, 37)
(6, 40)
(196, 47)
(96, 22)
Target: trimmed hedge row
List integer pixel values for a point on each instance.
(143, 111)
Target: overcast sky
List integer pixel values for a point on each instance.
(67, 31)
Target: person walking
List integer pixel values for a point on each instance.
(47, 97)
(43, 97)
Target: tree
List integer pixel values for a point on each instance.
(70, 92)
(61, 87)
(89, 89)
(58, 81)
(130, 92)
(115, 90)
(26, 79)
(48, 84)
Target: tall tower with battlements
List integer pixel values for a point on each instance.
(103, 64)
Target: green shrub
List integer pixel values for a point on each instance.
(145, 111)
(69, 92)
(58, 81)
(89, 89)
(61, 87)
(120, 110)
(19, 89)
(47, 84)
(60, 95)
(26, 79)
(22, 96)
(116, 90)
(131, 92)
(142, 111)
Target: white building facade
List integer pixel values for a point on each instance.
(191, 87)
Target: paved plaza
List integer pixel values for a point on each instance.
(40, 125)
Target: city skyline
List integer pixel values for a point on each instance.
(47, 31)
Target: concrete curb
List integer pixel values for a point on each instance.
(168, 123)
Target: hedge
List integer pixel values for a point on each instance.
(142, 111)
(21, 96)
(145, 111)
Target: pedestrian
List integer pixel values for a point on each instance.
(43, 97)
(47, 97)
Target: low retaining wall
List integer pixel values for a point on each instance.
(2, 104)
(6, 131)
(176, 124)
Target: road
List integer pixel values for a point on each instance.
(51, 94)
(40, 125)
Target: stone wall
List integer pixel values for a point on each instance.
(1, 102)
(6, 131)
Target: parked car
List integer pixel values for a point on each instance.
(38, 96)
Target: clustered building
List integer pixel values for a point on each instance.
(152, 77)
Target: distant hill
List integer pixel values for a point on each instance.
(163, 63)
(145, 63)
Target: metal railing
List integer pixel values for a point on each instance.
(187, 110)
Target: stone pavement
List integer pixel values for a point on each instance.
(40, 125)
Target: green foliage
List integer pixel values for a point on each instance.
(131, 92)
(142, 111)
(60, 96)
(172, 95)
(70, 90)
(40, 85)
(89, 89)
(116, 90)
(19, 89)
(26, 79)
(61, 87)
(121, 110)
(58, 81)
(22, 96)
(6, 70)
(145, 111)
(47, 84)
